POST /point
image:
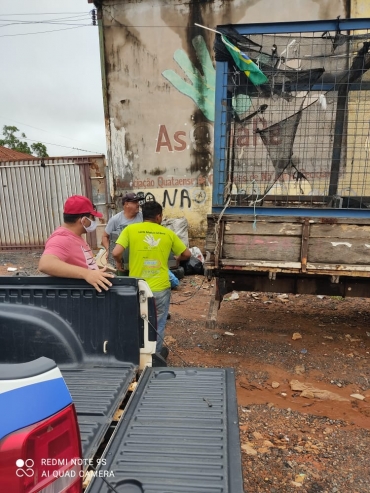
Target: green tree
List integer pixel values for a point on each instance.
(12, 141)
(39, 150)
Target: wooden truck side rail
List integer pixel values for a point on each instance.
(312, 255)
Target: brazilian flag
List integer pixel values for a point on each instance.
(245, 64)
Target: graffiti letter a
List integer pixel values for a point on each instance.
(185, 197)
(163, 139)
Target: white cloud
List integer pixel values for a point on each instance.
(52, 81)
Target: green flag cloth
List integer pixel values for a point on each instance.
(244, 63)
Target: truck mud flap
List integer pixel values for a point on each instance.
(97, 393)
(179, 434)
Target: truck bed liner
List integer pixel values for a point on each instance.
(179, 434)
(97, 393)
(94, 338)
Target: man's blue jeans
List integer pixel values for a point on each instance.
(162, 302)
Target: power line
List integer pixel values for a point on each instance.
(58, 145)
(41, 129)
(46, 20)
(44, 13)
(154, 26)
(51, 23)
(43, 32)
(72, 20)
(13, 22)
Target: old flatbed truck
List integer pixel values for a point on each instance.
(291, 186)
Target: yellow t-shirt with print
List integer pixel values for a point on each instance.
(150, 246)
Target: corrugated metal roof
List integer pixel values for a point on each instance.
(9, 154)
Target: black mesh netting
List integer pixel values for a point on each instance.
(243, 43)
(279, 139)
(292, 63)
(311, 115)
(281, 81)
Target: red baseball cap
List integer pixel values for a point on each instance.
(78, 204)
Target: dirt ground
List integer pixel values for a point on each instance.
(302, 368)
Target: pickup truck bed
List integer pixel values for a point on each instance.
(95, 338)
(97, 393)
(179, 434)
(179, 431)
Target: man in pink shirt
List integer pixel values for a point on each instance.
(66, 252)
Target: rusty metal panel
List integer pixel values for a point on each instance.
(32, 198)
(288, 283)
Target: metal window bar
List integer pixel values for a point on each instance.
(301, 140)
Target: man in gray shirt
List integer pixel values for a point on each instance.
(129, 215)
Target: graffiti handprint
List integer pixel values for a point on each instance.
(202, 87)
(149, 239)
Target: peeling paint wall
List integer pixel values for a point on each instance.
(360, 8)
(160, 80)
(358, 145)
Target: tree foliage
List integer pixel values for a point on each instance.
(14, 142)
(39, 150)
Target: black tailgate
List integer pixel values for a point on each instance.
(94, 338)
(179, 434)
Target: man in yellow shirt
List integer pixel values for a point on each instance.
(150, 246)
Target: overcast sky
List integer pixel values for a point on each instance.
(50, 83)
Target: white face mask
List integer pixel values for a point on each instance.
(92, 227)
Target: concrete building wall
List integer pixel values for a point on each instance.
(358, 144)
(159, 81)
